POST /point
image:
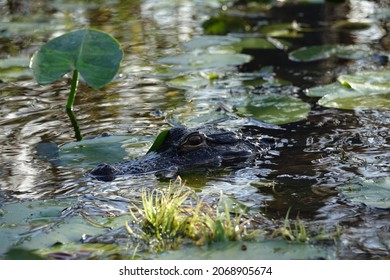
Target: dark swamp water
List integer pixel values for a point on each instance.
(331, 168)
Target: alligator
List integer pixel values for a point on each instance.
(186, 149)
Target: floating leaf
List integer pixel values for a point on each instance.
(192, 81)
(355, 100)
(94, 54)
(321, 91)
(89, 152)
(275, 108)
(19, 61)
(254, 43)
(351, 25)
(314, 53)
(266, 249)
(205, 61)
(288, 30)
(370, 82)
(223, 24)
(365, 90)
(371, 192)
(208, 41)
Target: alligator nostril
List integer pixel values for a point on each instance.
(104, 172)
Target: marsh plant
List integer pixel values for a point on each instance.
(93, 54)
(169, 218)
(292, 231)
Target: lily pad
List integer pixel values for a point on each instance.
(258, 43)
(356, 101)
(263, 249)
(351, 25)
(365, 90)
(89, 152)
(371, 192)
(223, 24)
(208, 41)
(274, 108)
(19, 61)
(94, 54)
(287, 30)
(192, 81)
(192, 61)
(314, 53)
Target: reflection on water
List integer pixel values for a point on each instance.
(325, 150)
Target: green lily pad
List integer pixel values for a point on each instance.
(256, 250)
(368, 82)
(205, 61)
(38, 225)
(89, 152)
(274, 108)
(343, 100)
(223, 24)
(351, 25)
(287, 30)
(365, 90)
(209, 41)
(254, 43)
(94, 54)
(371, 192)
(314, 53)
(19, 61)
(191, 81)
(321, 91)
(14, 67)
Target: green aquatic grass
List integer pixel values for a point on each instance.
(168, 218)
(295, 231)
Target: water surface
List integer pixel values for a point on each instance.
(318, 153)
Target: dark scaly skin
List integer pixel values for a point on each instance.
(186, 149)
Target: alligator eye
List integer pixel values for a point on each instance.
(193, 140)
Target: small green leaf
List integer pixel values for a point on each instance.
(371, 192)
(314, 53)
(202, 42)
(193, 61)
(351, 25)
(275, 108)
(364, 90)
(355, 100)
(254, 43)
(284, 29)
(159, 140)
(321, 91)
(94, 54)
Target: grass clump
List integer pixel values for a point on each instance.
(172, 217)
(295, 231)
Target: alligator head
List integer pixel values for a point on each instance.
(186, 149)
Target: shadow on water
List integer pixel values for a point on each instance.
(43, 188)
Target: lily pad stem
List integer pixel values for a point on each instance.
(73, 89)
(73, 120)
